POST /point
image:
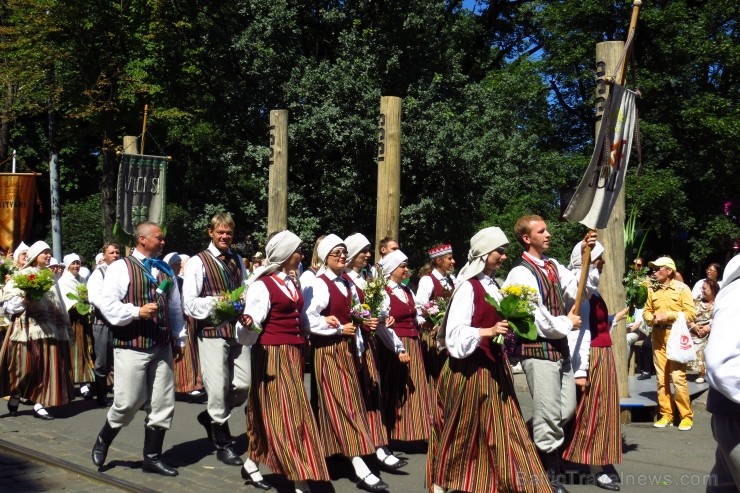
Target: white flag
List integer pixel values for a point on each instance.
(597, 193)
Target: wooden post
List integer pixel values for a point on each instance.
(143, 128)
(389, 170)
(610, 285)
(277, 206)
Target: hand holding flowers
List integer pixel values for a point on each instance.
(517, 307)
(229, 309)
(34, 285)
(374, 291)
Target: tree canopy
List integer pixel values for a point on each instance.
(498, 115)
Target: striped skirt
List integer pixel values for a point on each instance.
(367, 369)
(406, 393)
(38, 370)
(597, 435)
(342, 416)
(483, 443)
(187, 370)
(81, 348)
(281, 428)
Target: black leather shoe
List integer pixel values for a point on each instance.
(392, 467)
(205, 420)
(263, 485)
(229, 457)
(611, 486)
(13, 408)
(644, 375)
(46, 416)
(379, 486)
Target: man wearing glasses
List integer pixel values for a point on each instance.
(663, 305)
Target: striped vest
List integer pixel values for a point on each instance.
(552, 297)
(143, 334)
(217, 279)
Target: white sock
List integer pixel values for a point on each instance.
(301, 487)
(363, 472)
(40, 409)
(253, 469)
(438, 489)
(84, 389)
(385, 456)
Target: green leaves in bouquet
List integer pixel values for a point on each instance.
(80, 296)
(520, 320)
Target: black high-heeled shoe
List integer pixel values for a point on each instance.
(13, 408)
(262, 484)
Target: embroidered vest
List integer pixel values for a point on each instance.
(404, 313)
(283, 322)
(219, 277)
(143, 334)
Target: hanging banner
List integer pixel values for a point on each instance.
(141, 191)
(17, 193)
(597, 193)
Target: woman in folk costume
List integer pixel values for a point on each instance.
(34, 361)
(480, 441)
(406, 389)
(342, 416)
(188, 379)
(358, 253)
(280, 425)
(81, 346)
(596, 435)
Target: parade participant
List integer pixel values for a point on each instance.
(224, 363)
(480, 441)
(281, 428)
(20, 255)
(101, 328)
(56, 268)
(663, 305)
(546, 361)
(596, 435)
(433, 286)
(34, 362)
(144, 324)
(405, 387)
(81, 345)
(358, 253)
(187, 371)
(342, 417)
(723, 375)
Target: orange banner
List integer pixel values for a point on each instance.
(17, 193)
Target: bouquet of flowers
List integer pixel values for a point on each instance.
(34, 286)
(80, 296)
(374, 290)
(517, 307)
(434, 311)
(7, 268)
(228, 307)
(359, 313)
(636, 284)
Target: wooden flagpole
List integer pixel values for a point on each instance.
(143, 130)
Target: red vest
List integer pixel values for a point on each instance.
(340, 305)
(484, 316)
(598, 320)
(283, 323)
(404, 313)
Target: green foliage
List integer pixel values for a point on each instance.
(81, 232)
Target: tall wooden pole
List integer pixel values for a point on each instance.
(277, 206)
(143, 129)
(389, 170)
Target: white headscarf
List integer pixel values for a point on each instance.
(172, 258)
(324, 248)
(355, 244)
(278, 250)
(98, 258)
(69, 258)
(481, 244)
(390, 262)
(34, 251)
(20, 249)
(575, 256)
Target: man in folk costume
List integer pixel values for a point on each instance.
(224, 363)
(101, 328)
(546, 361)
(141, 301)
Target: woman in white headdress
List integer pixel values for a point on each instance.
(406, 389)
(281, 428)
(81, 346)
(34, 361)
(479, 439)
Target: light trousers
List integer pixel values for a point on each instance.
(665, 371)
(553, 390)
(227, 374)
(143, 378)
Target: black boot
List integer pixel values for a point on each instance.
(205, 420)
(105, 438)
(153, 440)
(225, 445)
(551, 463)
(101, 390)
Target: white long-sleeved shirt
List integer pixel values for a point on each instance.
(95, 285)
(426, 286)
(115, 287)
(722, 355)
(400, 293)
(196, 306)
(461, 338)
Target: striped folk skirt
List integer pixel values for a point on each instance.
(187, 370)
(482, 444)
(367, 370)
(38, 370)
(280, 425)
(342, 416)
(81, 348)
(433, 360)
(406, 393)
(597, 435)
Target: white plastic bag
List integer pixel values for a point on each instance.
(680, 347)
